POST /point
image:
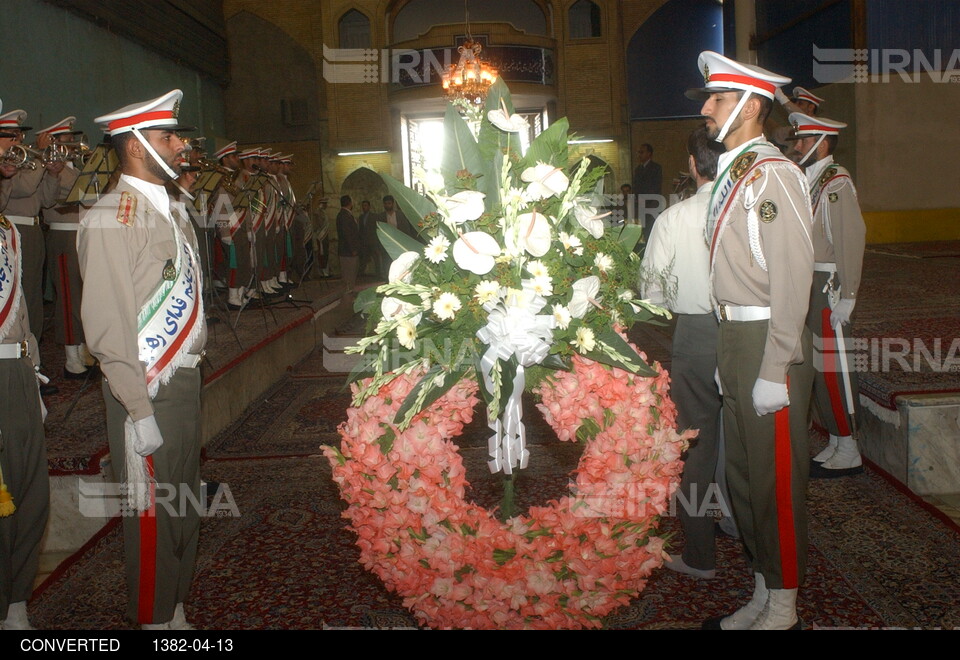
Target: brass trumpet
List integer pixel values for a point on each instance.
(22, 157)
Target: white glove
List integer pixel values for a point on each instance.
(716, 379)
(227, 240)
(841, 313)
(781, 97)
(769, 397)
(145, 434)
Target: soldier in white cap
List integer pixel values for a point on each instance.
(24, 484)
(761, 266)
(803, 101)
(231, 226)
(24, 192)
(143, 315)
(839, 239)
(63, 219)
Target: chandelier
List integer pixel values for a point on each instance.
(466, 83)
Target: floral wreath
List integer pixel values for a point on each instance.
(508, 235)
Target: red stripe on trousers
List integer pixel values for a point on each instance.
(67, 303)
(784, 479)
(830, 372)
(148, 554)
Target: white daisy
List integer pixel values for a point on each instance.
(586, 341)
(603, 262)
(407, 334)
(436, 250)
(562, 316)
(537, 268)
(487, 291)
(571, 243)
(447, 306)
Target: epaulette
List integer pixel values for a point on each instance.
(128, 209)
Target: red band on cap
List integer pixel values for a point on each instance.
(810, 99)
(743, 80)
(139, 119)
(816, 128)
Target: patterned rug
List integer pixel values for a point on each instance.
(905, 306)
(928, 250)
(877, 557)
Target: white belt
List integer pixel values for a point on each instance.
(14, 351)
(63, 226)
(824, 268)
(742, 313)
(24, 220)
(193, 361)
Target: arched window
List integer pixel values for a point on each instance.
(355, 30)
(584, 19)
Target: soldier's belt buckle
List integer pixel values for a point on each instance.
(723, 313)
(24, 349)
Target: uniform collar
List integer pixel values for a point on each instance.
(155, 193)
(728, 156)
(815, 170)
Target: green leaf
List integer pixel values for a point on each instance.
(386, 441)
(550, 147)
(420, 536)
(394, 483)
(467, 530)
(503, 556)
(588, 430)
(433, 391)
(463, 571)
(395, 242)
(365, 367)
(630, 235)
(536, 533)
(365, 300)
(341, 459)
(414, 205)
(628, 357)
(460, 151)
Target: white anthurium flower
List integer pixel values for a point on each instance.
(506, 122)
(464, 206)
(447, 306)
(401, 270)
(476, 251)
(562, 316)
(603, 262)
(407, 335)
(436, 250)
(487, 291)
(584, 295)
(571, 243)
(544, 181)
(586, 340)
(589, 219)
(535, 236)
(395, 309)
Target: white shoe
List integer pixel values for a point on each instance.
(846, 456)
(827, 451)
(266, 288)
(235, 297)
(155, 626)
(74, 363)
(17, 617)
(179, 621)
(780, 612)
(743, 618)
(676, 563)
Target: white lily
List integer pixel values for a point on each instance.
(503, 120)
(476, 251)
(394, 309)
(535, 235)
(584, 295)
(463, 207)
(590, 220)
(401, 270)
(544, 181)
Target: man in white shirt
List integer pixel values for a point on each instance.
(676, 274)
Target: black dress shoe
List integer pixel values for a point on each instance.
(89, 373)
(49, 390)
(817, 471)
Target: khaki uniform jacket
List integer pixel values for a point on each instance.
(19, 330)
(122, 266)
(839, 233)
(63, 213)
(27, 191)
(779, 189)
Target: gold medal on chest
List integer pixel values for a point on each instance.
(169, 271)
(768, 211)
(827, 175)
(4, 223)
(834, 197)
(742, 164)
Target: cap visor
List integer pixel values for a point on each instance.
(703, 93)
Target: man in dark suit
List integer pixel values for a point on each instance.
(395, 218)
(368, 238)
(348, 233)
(647, 183)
